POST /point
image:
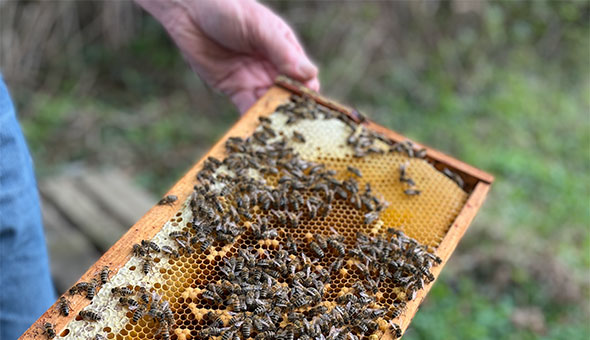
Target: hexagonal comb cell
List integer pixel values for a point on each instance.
(408, 193)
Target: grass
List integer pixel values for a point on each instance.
(505, 89)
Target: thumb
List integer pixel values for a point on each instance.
(276, 41)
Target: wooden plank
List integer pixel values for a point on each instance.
(155, 218)
(70, 252)
(115, 193)
(81, 210)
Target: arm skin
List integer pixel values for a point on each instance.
(236, 46)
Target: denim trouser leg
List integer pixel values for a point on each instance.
(26, 289)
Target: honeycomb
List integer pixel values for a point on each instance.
(182, 281)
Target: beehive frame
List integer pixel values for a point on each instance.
(477, 184)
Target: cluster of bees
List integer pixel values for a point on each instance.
(261, 189)
(280, 295)
(395, 258)
(88, 289)
(151, 304)
(141, 303)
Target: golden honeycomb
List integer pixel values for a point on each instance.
(181, 281)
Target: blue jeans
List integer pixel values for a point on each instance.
(26, 289)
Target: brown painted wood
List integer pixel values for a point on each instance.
(157, 216)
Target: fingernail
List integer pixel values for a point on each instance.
(306, 68)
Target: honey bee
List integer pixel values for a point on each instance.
(316, 249)
(121, 291)
(245, 213)
(280, 216)
(339, 190)
(420, 153)
(298, 137)
(170, 251)
(213, 162)
(169, 199)
(326, 208)
(363, 269)
(337, 265)
(407, 180)
(264, 120)
(262, 308)
(168, 315)
(412, 192)
(236, 303)
(138, 250)
(411, 294)
(456, 178)
(89, 315)
(293, 219)
(150, 245)
(63, 306)
(91, 289)
(434, 257)
(322, 187)
(337, 245)
(155, 313)
(426, 273)
(104, 274)
(178, 234)
(132, 304)
(144, 297)
(396, 312)
(79, 287)
(205, 244)
(164, 331)
(402, 170)
(268, 334)
(354, 171)
(395, 330)
(321, 241)
(138, 314)
(146, 266)
(359, 152)
(371, 217)
(49, 330)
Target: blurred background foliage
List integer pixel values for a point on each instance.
(501, 85)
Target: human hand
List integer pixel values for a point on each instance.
(237, 47)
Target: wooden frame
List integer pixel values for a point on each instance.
(477, 184)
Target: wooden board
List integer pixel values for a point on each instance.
(71, 239)
(70, 251)
(155, 218)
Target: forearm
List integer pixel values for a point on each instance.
(236, 46)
